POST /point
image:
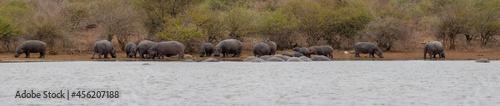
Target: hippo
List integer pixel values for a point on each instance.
(131, 49)
(306, 59)
(320, 58)
(282, 57)
(275, 59)
(227, 47)
(265, 57)
(434, 48)
(483, 60)
(303, 50)
(144, 46)
(248, 59)
(207, 49)
(322, 50)
(261, 49)
(288, 54)
(257, 60)
(167, 48)
(367, 47)
(210, 60)
(31, 46)
(294, 59)
(103, 47)
(272, 46)
(297, 54)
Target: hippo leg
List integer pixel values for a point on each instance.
(99, 54)
(93, 53)
(106, 56)
(434, 55)
(331, 55)
(430, 55)
(181, 56)
(356, 54)
(42, 55)
(27, 55)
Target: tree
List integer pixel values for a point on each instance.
(12, 17)
(7, 33)
(239, 22)
(487, 20)
(453, 21)
(279, 26)
(156, 10)
(386, 32)
(118, 19)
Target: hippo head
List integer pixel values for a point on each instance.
(379, 53)
(150, 54)
(19, 51)
(441, 55)
(132, 52)
(266, 40)
(218, 50)
(312, 50)
(202, 53)
(113, 53)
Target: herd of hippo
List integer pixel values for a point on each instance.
(262, 51)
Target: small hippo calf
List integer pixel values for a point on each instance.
(131, 49)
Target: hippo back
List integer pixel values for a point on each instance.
(434, 47)
(230, 46)
(33, 46)
(144, 45)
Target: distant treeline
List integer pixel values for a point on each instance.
(290, 23)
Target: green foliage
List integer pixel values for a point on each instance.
(176, 29)
(279, 26)
(349, 19)
(239, 22)
(6, 29)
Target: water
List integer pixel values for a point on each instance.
(268, 83)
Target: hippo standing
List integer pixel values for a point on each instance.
(144, 46)
(207, 49)
(302, 50)
(367, 47)
(261, 49)
(228, 46)
(272, 46)
(31, 46)
(434, 48)
(103, 47)
(168, 48)
(322, 50)
(131, 49)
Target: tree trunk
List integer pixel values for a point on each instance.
(109, 37)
